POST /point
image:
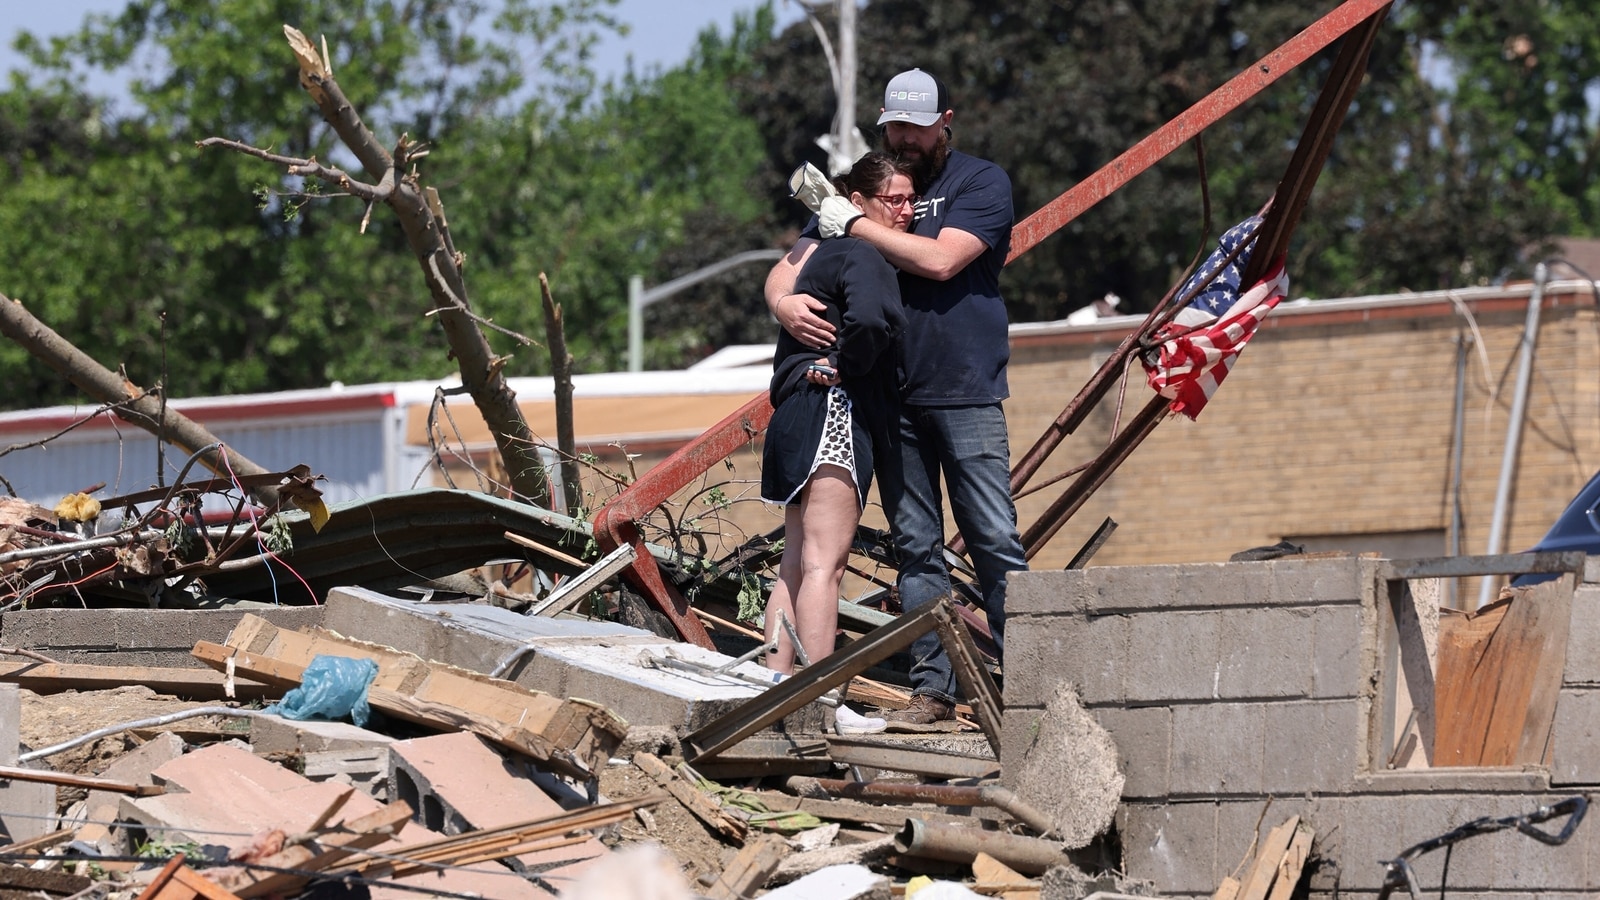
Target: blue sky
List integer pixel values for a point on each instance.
(663, 31)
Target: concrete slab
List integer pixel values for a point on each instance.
(27, 808)
(136, 637)
(232, 794)
(272, 735)
(134, 767)
(597, 661)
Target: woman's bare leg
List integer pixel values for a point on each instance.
(786, 589)
(829, 512)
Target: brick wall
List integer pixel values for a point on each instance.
(1226, 686)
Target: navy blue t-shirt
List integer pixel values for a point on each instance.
(955, 346)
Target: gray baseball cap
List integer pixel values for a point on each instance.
(915, 97)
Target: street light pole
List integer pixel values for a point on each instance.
(639, 298)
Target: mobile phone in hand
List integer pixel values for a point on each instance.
(824, 371)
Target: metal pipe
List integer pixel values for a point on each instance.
(1028, 855)
(991, 795)
(1513, 445)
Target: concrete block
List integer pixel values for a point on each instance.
(1310, 746)
(1337, 657)
(1317, 582)
(1110, 589)
(457, 783)
(1173, 845)
(1173, 656)
(1143, 736)
(27, 808)
(1591, 570)
(1508, 860)
(1575, 738)
(1369, 833)
(1050, 592)
(134, 767)
(1263, 653)
(1583, 637)
(1217, 749)
(364, 768)
(275, 735)
(137, 637)
(1087, 651)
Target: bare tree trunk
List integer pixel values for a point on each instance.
(561, 369)
(134, 405)
(441, 266)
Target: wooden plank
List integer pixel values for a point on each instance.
(704, 808)
(193, 684)
(575, 737)
(177, 881)
(1256, 885)
(1498, 676)
(45, 776)
(1292, 863)
(750, 870)
(42, 842)
(1228, 889)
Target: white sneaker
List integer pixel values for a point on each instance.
(848, 721)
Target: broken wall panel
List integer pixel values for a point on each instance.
(1227, 687)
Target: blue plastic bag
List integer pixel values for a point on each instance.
(332, 688)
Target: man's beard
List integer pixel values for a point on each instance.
(925, 167)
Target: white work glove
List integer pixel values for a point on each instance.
(836, 216)
(808, 185)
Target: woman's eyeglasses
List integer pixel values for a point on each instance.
(895, 201)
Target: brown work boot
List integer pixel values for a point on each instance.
(924, 714)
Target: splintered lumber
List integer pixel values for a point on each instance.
(45, 776)
(191, 684)
(1499, 672)
(574, 737)
(749, 870)
(995, 878)
(704, 808)
(177, 881)
(1290, 866)
(1278, 863)
(358, 834)
(487, 844)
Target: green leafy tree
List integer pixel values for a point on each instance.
(1425, 189)
(206, 270)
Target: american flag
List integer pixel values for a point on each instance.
(1200, 344)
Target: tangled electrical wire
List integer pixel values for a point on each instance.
(1399, 873)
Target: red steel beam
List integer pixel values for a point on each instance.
(1169, 137)
(615, 523)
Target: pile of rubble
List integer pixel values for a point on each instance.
(511, 756)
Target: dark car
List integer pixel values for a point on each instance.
(1577, 528)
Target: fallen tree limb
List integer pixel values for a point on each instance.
(130, 403)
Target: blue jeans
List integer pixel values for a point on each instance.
(968, 445)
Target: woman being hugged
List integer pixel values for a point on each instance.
(835, 412)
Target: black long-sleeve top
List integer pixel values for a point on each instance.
(862, 293)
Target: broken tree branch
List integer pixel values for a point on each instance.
(130, 402)
(561, 370)
(425, 232)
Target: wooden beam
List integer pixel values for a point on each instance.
(750, 870)
(574, 737)
(704, 808)
(46, 776)
(193, 684)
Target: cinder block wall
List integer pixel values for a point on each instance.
(1226, 686)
